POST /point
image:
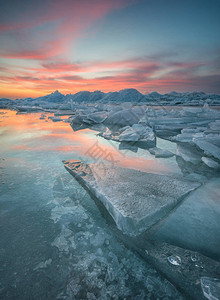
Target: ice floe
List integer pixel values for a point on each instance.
(139, 199)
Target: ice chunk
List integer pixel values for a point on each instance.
(120, 130)
(55, 119)
(188, 153)
(78, 119)
(191, 111)
(160, 152)
(129, 135)
(143, 121)
(210, 162)
(124, 118)
(187, 135)
(145, 132)
(139, 199)
(95, 118)
(207, 147)
(141, 130)
(128, 146)
(211, 288)
(215, 126)
(206, 107)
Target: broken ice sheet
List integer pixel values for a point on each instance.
(211, 288)
(136, 203)
(195, 224)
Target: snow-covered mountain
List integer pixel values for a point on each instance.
(56, 99)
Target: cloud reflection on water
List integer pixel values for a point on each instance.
(26, 132)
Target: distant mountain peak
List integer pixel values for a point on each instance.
(56, 93)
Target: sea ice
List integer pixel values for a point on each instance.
(78, 119)
(129, 135)
(136, 133)
(196, 177)
(215, 126)
(160, 152)
(207, 147)
(191, 111)
(210, 162)
(211, 288)
(95, 118)
(55, 119)
(124, 117)
(139, 199)
(195, 223)
(128, 146)
(188, 153)
(146, 134)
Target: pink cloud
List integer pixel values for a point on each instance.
(129, 73)
(143, 74)
(70, 19)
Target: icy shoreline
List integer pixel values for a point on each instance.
(133, 125)
(184, 268)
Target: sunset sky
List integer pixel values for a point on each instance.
(108, 45)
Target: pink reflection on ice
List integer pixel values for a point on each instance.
(45, 135)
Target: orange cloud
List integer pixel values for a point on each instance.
(142, 74)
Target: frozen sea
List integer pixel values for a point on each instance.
(55, 243)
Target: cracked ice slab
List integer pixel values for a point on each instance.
(136, 200)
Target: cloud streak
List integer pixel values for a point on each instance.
(41, 45)
(138, 73)
(52, 32)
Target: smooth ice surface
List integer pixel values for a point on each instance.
(195, 224)
(136, 200)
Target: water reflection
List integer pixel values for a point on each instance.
(30, 133)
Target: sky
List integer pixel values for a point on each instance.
(108, 45)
